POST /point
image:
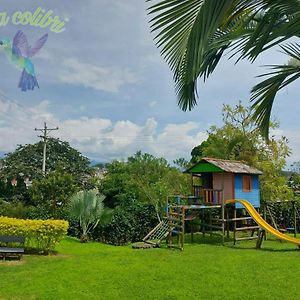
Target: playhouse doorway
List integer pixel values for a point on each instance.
(207, 179)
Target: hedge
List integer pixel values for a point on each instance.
(40, 235)
(128, 224)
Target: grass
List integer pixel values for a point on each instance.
(204, 270)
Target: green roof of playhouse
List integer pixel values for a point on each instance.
(207, 164)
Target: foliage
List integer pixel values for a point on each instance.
(15, 209)
(53, 191)
(43, 212)
(282, 213)
(87, 207)
(194, 35)
(197, 152)
(240, 139)
(40, 235)
(16, 193)
(273, 185)
(26, 161)
(294, 177)
(143, 178)
(128, 224)
(181, 163)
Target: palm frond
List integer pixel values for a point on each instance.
(192, 36)
(87, 206)
(267, 23)
(263, 94)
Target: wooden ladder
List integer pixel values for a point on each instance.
(247, 227)
(176, 220)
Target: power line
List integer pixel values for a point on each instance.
(45, 132)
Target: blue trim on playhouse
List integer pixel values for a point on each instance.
(252, 196)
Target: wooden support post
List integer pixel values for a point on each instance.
(170, 227)
(210, 223)
(234, 225)
(265, 218)
(182, 229)
(261, 234)
(295, 218)
(192, 231)
(272, 218)
(202, 222)
(227, 223)
(223, 220)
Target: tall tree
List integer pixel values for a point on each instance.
(193, 35)
(240, 139)
(27, 160)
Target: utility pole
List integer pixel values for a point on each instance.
(45, 132)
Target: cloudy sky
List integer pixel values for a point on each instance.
(104, 84)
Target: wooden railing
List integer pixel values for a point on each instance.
(208, 195)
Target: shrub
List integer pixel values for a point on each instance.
(87, 206)
(128, 224)
(53, 190)
(43, 212)
(41, 235)
(14, 209)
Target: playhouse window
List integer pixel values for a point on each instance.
(247, 183)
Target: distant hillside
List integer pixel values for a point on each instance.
(98, 164)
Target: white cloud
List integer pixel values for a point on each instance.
(103, 140)
(152, 104)
(176, 140)
(17, 123)
(109, 79)
(293, 136)
(97, 138)
(44, 54)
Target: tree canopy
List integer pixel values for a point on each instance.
(194, 35)
(54, 190)
(143, 178)
(26, 160)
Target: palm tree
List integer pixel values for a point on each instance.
(88, 208)
(193, 35)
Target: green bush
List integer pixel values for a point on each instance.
(42, 212)
(14, 209)
(128, 224)
(40, 235)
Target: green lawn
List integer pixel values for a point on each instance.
(204, 270)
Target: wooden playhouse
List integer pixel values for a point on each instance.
(216, 180)
(225, 197)
(213, 181)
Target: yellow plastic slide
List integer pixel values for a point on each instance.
(262, 223)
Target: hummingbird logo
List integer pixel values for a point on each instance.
(19, 53)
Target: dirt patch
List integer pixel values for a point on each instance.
(12, 263)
